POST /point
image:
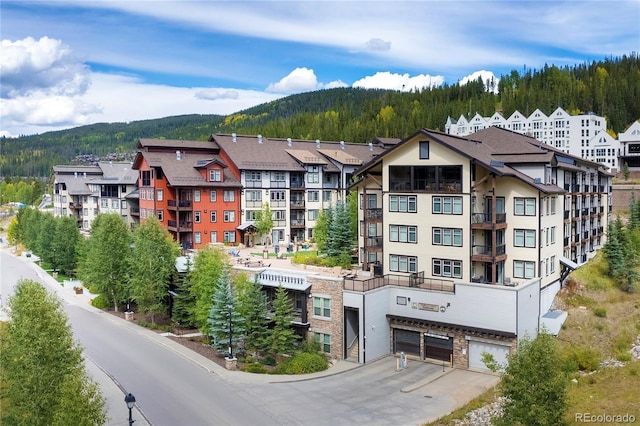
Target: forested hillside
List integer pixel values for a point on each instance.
(610, 88)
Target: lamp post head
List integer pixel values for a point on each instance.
(130, 400)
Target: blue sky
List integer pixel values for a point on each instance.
(71, 63)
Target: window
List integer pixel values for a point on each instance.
(553, 264)
(251, 214)
(402, 233)
(229, 216)
(213, 237)
(313, 195)
(398, 263)
(278, 179)
(104, 203)
(230, 236)
(447, 205)
(523, 269)
(146, 177)
(524, 206)
(123, 204)
(198, 237)
(424, 150)
(447, 268)
(213, 216)
(213, 196)
(228, 196)
(253, 196)
(447, 237)
(403, 203)
(196, 216)
(215, 175)
(313, 174)
(324, 340)
(313, 214)
(326, 196)
(553, 235)
(159, 195)
(115, 204)
(524, 237)
(253, 178)
(322, 307)
(278, 196)
(372, 201)
(160, 215)
(553, 205)
(196, 195)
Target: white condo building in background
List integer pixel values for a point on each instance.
(583, 135)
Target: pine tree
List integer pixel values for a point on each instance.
(44, 380)
(184, 302)
(253, 306)
(614, 249)
(222, 319)
(282, 339)
(341, 236)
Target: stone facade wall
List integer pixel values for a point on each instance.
(621, 196)
(327, 287)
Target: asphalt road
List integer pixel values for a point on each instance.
(174, 388)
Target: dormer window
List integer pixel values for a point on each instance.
(215, 175)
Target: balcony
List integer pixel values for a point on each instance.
(414, 280)
(253, 184)
(297, 183)
(183, 226)
(134, 211)
(486, 221)
(179, 205)
(373, 214)
(567, 213)
(296, 204)
(75, 206)
(566, 241)
(485, 254)
(585, 212)
(297, 223)
(373, 242)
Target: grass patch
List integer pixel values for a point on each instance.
(610, 391)
(483, 399)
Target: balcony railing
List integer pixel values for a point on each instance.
(297, 223)
(488, 218)
(373, 214)
(297, 204)
(487, 250)
(374, 242)
(297, 183)
(414, 280)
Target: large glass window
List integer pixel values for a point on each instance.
(322, 307)
(425, 178)
(398, 263)
(523, 269)
(403, 233)
(447, 268)
(447, 236)
(524, 206)
(524, 237)
(403, 203)
(447, 205)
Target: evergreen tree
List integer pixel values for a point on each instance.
(153, 263)
(253, 308)
(208, 266)
(223, 320)
(321, 231)
(282, 339)
(534, 385)
(634, 212)
(43, 375)
(613, 249)
(184, 303)
(341, 236)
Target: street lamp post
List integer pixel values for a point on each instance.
(230, 307)
(54, 259)
(131, 401)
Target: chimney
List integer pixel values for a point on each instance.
(234, 137)
(370, 146)
(259, 138)
(288, 141)
(178, 155)
(317, 143)
(341, 144)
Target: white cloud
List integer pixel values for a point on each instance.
(45, 65)
(215, 94)
(487, 78)
(335, 84)
(298, 80)
(378, 44)
(402, 82)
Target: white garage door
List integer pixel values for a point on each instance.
(476, 350)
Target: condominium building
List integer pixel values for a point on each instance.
(85, 191)
(583, 135)
(190, 189)
(630, 141)
(298, 178)
(467, 240)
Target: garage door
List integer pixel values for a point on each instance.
(438, 347)
(406, 341)
(476, 349)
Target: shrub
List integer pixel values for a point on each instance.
(268, 360)
(310, 345)
(600, 312)
(305, 363)
(255, 368)
(282, 367)
(100, 302)
(580, 358)
(624, 357)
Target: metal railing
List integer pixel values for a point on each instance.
(414, 280)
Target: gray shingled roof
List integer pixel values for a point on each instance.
(184, 172)
(272, 153)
